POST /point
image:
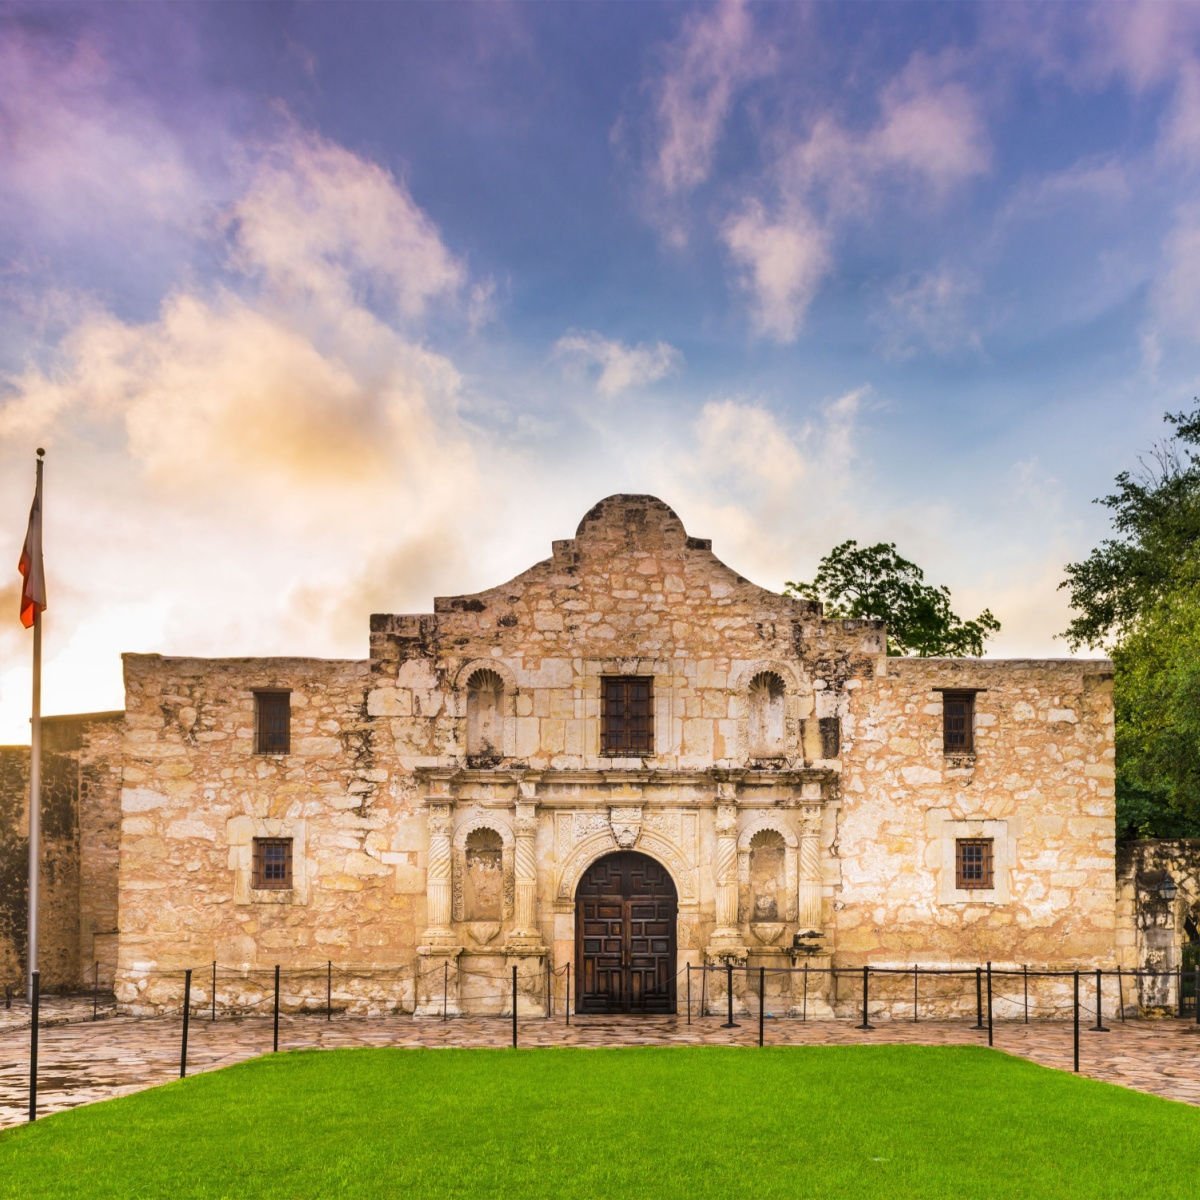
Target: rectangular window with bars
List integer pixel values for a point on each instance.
(272, 722)
(272, 863)
(973, 867)
(627, 715)
(958, 722)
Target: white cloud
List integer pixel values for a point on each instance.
(780, 264)
(714, 57)
(1175, 297)
(320, 222)
(621, 367)
(929, 311)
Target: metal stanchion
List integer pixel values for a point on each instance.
(866, 999)
(95, 990)
(762, 1001)
(445, 988)
(35, 988)
(549, 990)
(275, 1042)
(568, 1005)
(1026, 974)
(213, 994)
(689, 992)
(978, 997)
(989, 1000)
(730, 1023)
(1076, 1022)
(704, 990)
(804, 1002)
(1121, 996)
(187, 1016)
(329, 989)
(514, 1012)
(1099, 1027)
(916, 978)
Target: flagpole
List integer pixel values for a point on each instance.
(35, 767)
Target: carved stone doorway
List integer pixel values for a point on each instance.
(625, 919)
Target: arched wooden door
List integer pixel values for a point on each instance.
(625, 912)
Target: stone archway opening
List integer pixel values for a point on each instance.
(626, 916)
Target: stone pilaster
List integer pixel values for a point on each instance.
(808, 908)
(438, 875)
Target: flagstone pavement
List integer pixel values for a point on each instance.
(81, 1060)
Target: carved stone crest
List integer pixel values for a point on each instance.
(626, 823)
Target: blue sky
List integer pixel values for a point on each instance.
(326, 309)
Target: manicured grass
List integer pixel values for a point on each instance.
(692, 1122)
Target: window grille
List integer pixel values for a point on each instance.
(627, 717)
(272, 862)
(973, 867)
(272, 722)
(958, 722)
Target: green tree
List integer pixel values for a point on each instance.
(1135, 596)
(874, 581)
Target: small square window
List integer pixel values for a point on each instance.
(973, 867)
(958, 722)
(272, 863)
(272, 722)
(627, 717)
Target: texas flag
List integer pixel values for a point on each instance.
(33, 586)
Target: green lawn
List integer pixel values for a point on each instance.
(694, 1122)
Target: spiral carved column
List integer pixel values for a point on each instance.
(809, 891)
(438, 874)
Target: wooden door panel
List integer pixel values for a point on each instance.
(625, 913)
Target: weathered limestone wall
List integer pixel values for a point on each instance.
(195, 795)
(1152, 930)
(1040, 783)
(79, 850)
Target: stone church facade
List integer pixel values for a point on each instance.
(628, 759)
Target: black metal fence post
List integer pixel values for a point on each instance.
(978, 997)
(213, 995)
(1179, 990)
(989, 1000)
(187, 1016)
(804, 1002)
(95, 990)
(549, 991)
(568, 1005)
(1026, 974)
(1076, 1022)
(275, 1043)
(689, 992)
(514, 1015)
(866, 999)
(762, 1001)
(704, 990)
(1196, 993)
(1099, 1027)
(916, 978)
(329, 989)
(35, 990)
(730, 1023)
(1121, 995)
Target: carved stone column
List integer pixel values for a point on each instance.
(438, 875)
(525, 937)
(437, 990)
(726, 944)
(808, 908)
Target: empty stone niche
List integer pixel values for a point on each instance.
(766, 725)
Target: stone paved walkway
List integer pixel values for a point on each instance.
(83, 1061)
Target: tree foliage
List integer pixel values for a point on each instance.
(1135, 595)
(875, 581)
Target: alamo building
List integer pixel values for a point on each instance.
(628, 759)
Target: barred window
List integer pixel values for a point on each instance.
(272, 863)
(958, 722)
(627, 717)
(272, 722)
(973, 863)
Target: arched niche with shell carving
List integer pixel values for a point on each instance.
(772, 703)
(483, 871)
(768, 872)
(487, 704)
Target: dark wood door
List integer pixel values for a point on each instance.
(625, 910)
